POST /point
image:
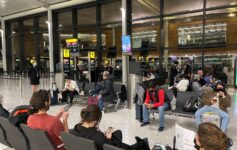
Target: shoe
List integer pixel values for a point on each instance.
(145, 123)
(161, 129)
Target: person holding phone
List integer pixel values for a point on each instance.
(217, 101)
(155, 98)
(39, 118)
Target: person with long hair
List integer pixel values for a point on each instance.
(217, 101)
(89, 128)
(210, 137)
(39, 118)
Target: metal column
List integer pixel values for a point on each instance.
(36, 37)
(162, 37)
(99, 34)
(126, 29)
(21, 45)
(74, 23)
(8, 45)
(56, 40)
(4, 54)
(203, 32)
(51, 51)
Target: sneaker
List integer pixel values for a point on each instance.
(145, 123)
(161, 129)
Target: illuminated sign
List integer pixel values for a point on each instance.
(66, 53)
(92, 55)
(72, 44)
(126, 44)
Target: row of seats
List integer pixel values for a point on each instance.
(90, 86)
(27, 138)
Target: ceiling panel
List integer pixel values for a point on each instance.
(9, 7)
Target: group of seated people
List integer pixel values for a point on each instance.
(208, 135)
(104, 90)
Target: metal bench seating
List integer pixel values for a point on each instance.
(110, 147)
(38, 139)
(73, 142)
(14, 136)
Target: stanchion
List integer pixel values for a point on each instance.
(21, 86)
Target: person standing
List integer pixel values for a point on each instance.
(173, 72)
(34, 77)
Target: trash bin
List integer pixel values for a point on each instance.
(133, 79)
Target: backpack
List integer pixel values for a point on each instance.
(192, 104)
(19, 115)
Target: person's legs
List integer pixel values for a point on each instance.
(200, 112)
(101, 103)
(225, 118)
(161, 110)
(64, 96)
(72, 93)
(34, 88)
(145, 115)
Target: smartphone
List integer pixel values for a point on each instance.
(66, 107)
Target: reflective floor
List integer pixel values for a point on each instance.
(122, 119)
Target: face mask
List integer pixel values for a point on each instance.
(34, 64)
(196, 145)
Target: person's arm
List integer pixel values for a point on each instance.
(65, 124)
(161, 96)
(147, 100)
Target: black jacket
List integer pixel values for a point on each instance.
(3, 112)
(91, 133)
(34, 75)
(107, 90)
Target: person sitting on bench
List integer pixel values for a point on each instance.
(3, 112)
(155, 98)
(70, 88)
(215, 102)
(106, 90)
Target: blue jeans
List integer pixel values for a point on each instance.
(101, 103)
(161, 110)
(224, 116)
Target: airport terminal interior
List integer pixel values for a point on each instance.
(137, 42)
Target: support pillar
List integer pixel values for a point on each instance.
(99, 34)
(51, 51)
(126, 30)
(4, 54)
(162, 36)
(203, 32)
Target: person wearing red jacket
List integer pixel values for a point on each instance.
(155, 98)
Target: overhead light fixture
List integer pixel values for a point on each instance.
(231, 15)
(60, 25)
(13, 32)
(47, 22)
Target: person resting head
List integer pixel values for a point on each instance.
(210, 137)
(3, 112)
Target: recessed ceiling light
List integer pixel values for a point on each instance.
(13, 32)
(47, 22)
(60, 25)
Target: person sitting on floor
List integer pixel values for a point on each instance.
(3, 112)
(210, 137)
(88, 128)
(215, 102)
(39, 119)
(70, 88)
(155, 98)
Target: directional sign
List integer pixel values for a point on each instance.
(66, 53)
(92, 55)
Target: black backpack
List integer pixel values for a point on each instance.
(192, 105)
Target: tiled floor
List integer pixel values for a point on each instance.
(122, 119)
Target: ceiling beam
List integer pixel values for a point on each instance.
(42, 3)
